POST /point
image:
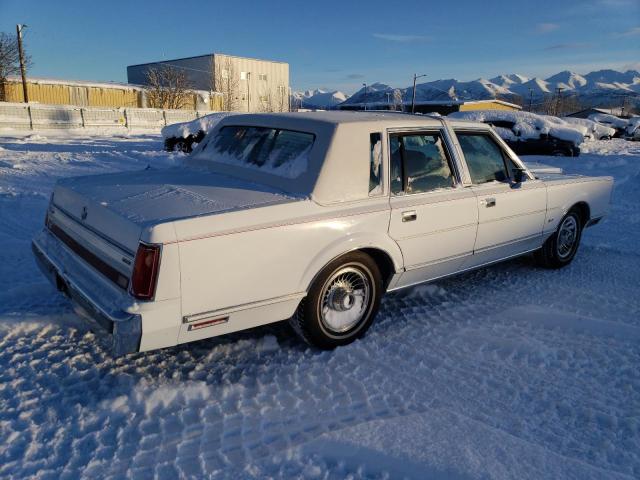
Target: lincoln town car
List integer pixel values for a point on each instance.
(306, 217)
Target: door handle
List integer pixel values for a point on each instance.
(489, 202)
(409, 216)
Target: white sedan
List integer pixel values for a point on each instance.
(310, 217)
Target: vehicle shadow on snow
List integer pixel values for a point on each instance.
(84, 144)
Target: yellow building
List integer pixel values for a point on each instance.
(92, 94)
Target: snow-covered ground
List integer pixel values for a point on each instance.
(507, 372)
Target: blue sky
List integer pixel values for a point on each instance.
(333, 44)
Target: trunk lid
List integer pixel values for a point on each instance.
(118, 206)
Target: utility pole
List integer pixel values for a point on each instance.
(388, 101)
(365, 96)
(413, 97)
(530, 98)
(22, 66)
(558, 93)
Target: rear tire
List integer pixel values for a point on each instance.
(341, 304)
(561, 247)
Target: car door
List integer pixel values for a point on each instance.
(433, 217)
(511, 214)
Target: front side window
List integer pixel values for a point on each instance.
(484, 157)
(375, 164)
(419, 163)
(276, 151)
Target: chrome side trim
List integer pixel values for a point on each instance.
(223, 312)
(436, 262)
(510, 242)
(475, 267)
(332, 215)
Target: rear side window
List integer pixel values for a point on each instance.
(484, 157)
(419, 163)
(375, 164)
(276, 151)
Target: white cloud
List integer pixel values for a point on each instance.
(392, 37)
(632, 32)
(546, 27)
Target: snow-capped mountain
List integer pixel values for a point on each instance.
(567, 80)
(603, 87)
(509, 79)
(376, 92)
(319, 98)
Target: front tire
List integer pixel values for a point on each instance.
(561, 247)
(342, 302)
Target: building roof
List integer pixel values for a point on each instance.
(204, 56)
(80, 83)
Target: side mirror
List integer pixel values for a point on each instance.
(519, 175)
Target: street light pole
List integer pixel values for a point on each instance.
(413, 97)
(22, 66)
(530, 98)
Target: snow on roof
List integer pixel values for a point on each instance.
(608, 119)
(526, 124)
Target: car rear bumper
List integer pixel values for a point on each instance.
(123, 328)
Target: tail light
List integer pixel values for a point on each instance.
(145, 271)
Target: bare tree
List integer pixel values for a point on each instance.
(9, 60)
(225, 80)
(168, 87)
(397, 99)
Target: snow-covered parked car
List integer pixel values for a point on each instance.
(612, 121)
(632, 132)
(531, 134)
(181, 137)
(594, 130)
(310, 217)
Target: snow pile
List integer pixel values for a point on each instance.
(594, 129)
(184, 129)
(507, 372)
(525, 125)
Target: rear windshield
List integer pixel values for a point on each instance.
(272, 150)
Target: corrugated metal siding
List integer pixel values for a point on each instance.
(79, 95)
(53, 94)
(103, 97)
(250, 91)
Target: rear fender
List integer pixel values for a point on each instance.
(350, 243)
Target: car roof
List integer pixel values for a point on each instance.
(376, 119)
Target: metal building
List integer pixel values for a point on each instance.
(246, 84)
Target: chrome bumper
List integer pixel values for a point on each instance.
(124, 329)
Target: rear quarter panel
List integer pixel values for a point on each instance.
(265, 254)
(565, 192)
